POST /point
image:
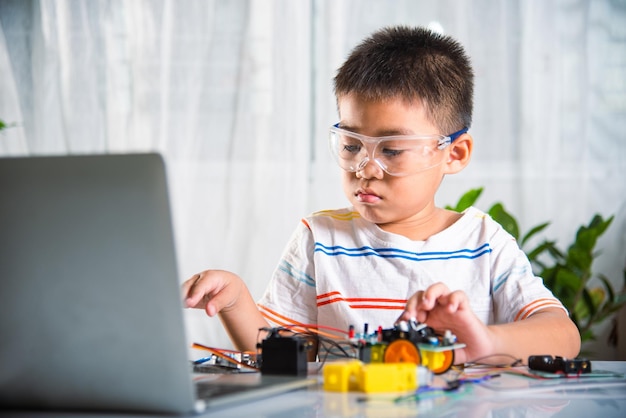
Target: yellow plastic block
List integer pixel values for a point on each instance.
(351, 376)
(388, 377)
(342, 376)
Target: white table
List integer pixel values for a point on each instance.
(503, 396)
(507, 395)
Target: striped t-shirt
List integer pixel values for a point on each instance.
(340, 270)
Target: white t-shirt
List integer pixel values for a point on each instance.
(340, 270)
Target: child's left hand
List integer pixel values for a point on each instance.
(442, 310)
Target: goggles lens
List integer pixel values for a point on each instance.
(399, 155)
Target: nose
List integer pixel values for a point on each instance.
(369, 168)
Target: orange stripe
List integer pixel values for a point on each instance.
(541, 307)
(533, 306)
(306, 223)
(527, 307)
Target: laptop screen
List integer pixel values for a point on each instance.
(91, 312)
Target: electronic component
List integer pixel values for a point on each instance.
(284, 355)
(547, 363)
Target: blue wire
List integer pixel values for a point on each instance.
(202, 360)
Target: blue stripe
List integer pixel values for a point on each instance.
(503, 278)
(500, 281)
(397, 253)
(296, 274)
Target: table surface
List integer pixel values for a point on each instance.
(505, 395)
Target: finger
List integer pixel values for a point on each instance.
(187, 285)
(422, 307)
(432, 294)
(454, 301)
(414, 309)
(221, 297)
(200, 288)
(412, 304)
(457, 301)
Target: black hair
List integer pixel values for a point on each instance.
(414, 64)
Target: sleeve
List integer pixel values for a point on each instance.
(517, 292)
(290, 297)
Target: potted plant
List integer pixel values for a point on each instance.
(589, 297)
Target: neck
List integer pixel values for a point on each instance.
(423, 226)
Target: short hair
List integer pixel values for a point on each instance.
(412, 64)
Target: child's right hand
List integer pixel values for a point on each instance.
(213, 290)
(219, 291)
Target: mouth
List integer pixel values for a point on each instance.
(367, 196)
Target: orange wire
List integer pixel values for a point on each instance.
(315, 329)
(220, 354)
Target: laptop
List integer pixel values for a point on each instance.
(91, 315)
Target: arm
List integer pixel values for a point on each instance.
(224, 293)
(549, 331)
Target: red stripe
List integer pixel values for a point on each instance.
(400, 303)
(377, 307)
(327, 294)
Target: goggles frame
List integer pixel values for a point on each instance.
(443, 141)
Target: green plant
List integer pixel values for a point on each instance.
(590, 298)
(3, 125)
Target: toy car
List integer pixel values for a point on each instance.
(414, 342)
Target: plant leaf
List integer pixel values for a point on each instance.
(533, 232)
(534, 254)
(467, 200)
(591, 300)
(609, 288)
(587, 236)
(504, 218)
(567, 280)
(580, 259)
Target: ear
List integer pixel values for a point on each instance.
(459, 154)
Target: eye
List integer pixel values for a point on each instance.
(351, 148)
(391, 149)
(390, 152)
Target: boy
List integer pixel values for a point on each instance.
(404, 97)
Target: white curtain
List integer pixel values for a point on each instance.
(237, 95)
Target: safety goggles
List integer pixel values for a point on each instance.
(397, 155)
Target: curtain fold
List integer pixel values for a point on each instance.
(237, 96)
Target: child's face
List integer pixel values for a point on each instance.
(379, 197)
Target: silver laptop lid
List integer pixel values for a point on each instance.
(90, 312)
